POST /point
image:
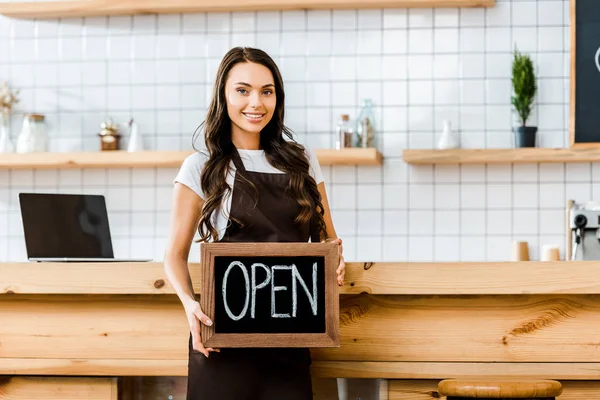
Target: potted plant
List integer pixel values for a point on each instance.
(525, 89)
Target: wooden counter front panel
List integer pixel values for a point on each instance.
(63, 388)
(468, 328)
(373, 328)
(93, 327)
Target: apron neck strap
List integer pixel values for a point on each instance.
(237, 160)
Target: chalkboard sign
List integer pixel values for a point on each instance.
(270, 294)
(585, 73)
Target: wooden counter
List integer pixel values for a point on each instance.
(417, 321)
(451, 278)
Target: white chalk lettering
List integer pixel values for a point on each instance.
(277, 289)
(252, 287)
(312, 299)
(260, 286)
(227, 309)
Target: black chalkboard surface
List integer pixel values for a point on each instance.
(585, 73)
(270, 294)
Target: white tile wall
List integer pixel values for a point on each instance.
(420, 66)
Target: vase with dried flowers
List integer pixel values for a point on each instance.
(8, 98)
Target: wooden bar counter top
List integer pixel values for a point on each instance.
(410, 323)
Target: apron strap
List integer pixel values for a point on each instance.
(237, 160)
(315, 236)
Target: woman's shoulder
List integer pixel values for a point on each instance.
(314, 166)
(197, 158)
(310, 154)
(191, 169)
(195, 162)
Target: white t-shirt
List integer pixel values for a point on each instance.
(254, 161)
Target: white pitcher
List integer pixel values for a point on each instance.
(449, 139)
(136, 142)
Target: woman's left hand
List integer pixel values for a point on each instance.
(341, 270)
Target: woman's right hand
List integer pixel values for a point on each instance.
(195, 316)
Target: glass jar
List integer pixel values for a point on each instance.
(365, 125)
(109, 136)
(33, 134)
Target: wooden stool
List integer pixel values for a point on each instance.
(499, 389)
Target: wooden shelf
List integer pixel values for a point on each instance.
(501, 156)
(161, 159)
(87, 8)
(93, 159)
(356, 156)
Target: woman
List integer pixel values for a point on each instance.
(249, 185)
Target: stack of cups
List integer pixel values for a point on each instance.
(550, 252)
(520, 251)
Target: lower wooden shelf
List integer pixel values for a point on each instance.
(501, 156)
(161, 159)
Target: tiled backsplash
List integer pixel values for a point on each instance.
(420, 66)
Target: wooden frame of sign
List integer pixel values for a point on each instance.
(586, 70)
(328, 255)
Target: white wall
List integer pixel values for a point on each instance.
(420, 66)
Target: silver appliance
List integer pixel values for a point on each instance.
(584, 224)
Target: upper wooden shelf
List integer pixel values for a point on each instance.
(501, 156)
(123, 159)
(87, 8)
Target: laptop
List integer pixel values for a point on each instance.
(67, 228)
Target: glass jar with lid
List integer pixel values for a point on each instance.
(33, 137)
(365, 125)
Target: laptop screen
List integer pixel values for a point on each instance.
(65, 225)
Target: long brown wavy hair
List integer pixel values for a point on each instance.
(286, 155)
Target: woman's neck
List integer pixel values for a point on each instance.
(245, 140)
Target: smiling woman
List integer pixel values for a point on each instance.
(253, 183)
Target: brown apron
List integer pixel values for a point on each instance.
(266, 373)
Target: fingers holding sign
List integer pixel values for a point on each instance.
(195, 315)
(341, 269)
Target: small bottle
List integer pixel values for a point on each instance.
(343, 132)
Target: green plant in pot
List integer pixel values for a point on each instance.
(525, 89)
